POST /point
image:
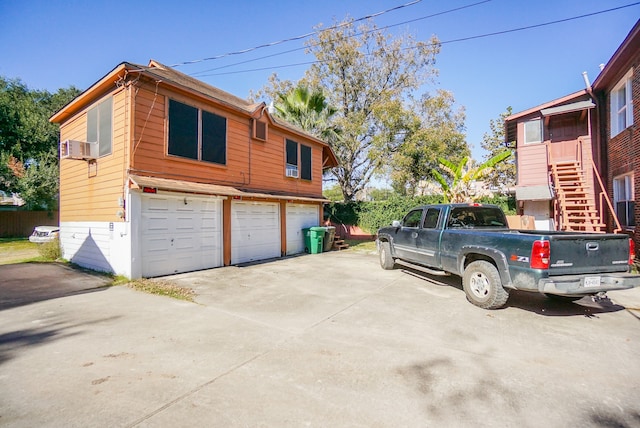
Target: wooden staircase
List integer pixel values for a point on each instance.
(339, 244)
(575, 199)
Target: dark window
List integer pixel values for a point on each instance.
(183, 130)
(292, 153)
(99, 120)
(412, 219)
(305, 162)
(197, 134)
(431, 219)
(214, 134)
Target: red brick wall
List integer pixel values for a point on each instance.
(624, 148)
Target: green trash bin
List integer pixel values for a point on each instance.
(313, 239)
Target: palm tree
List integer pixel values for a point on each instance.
(463, 175)
(309, 110)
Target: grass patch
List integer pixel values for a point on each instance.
(162, 288)
(18, 250)
(361, 245)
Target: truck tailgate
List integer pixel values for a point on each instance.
(593, 253)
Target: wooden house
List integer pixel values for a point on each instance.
(617, 94)
(161, 173)
(557, 164)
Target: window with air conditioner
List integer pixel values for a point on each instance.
(621, 105)
(298, 160)
(99, 126)
(624, 200)
(197, 134)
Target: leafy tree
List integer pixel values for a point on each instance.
(333, 193)
(435, 130)
(39, 186)
(367, 75)
(503, 175)
(462, 176)
(29, 142)
(309, 110)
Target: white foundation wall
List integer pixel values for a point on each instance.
(102, 246)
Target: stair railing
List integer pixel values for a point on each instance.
(605, 197)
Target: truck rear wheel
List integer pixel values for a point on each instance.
(482, 285)
(386, 260)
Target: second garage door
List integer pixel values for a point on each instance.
(299, 216)
(255, 231)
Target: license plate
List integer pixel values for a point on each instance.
(592, 281)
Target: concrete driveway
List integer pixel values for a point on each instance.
(319, 340)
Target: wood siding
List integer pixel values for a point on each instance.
(532, 165)
(251, 164)
(90, 191)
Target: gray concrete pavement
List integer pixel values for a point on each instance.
(318, 340)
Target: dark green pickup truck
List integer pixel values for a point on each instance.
(474, 242)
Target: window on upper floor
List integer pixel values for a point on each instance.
(197, 134)
(99, 126)
(624, 200)
(298, 160)
(621, 105)
(533, 131)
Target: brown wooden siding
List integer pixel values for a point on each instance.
(252, 165)
(532, 165)
(91, 192)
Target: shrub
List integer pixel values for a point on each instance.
(50, 251)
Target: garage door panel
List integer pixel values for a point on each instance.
(255, 231)
(299, 216)
(179, 238)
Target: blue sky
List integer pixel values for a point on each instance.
(53, 44)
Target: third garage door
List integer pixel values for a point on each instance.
(255, 231)
(299, 216)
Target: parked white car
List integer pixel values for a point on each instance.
(42, 234)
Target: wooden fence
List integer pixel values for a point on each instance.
(20, 224)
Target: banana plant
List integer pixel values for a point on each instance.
(462, 175)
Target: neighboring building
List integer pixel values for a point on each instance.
(617, 91)
(557, 164)
(161, 173)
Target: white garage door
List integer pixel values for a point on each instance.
(299, 216)
(255, 231)
(180, 234)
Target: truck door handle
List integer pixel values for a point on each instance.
(414, 235)
(592, 246)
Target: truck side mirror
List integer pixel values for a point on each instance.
(396, 223)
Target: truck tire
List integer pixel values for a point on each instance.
(386, 260)
(482, 285)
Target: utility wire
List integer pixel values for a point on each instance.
(303, 36)
(197, 73)
(463, 39)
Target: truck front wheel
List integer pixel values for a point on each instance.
(482, 285)
(386, 261)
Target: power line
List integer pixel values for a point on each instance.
(303, 36)
(464, 39)
(199, 73)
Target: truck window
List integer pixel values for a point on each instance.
(470, 217)
(431, 219)
(412, 219)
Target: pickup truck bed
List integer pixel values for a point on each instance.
(473, 241)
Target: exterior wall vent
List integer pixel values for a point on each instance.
(259, 131)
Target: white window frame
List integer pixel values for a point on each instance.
(528, 124)
(621, 105)
(623, 191)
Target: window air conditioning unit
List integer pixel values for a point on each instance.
(72, 149)
(292, 172)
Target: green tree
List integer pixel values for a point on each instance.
(459, 188)
(39, 186)
(309, 110)
(503, 175)
(435, 130)
(29, 142)
(333, 193)
(367, 75)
